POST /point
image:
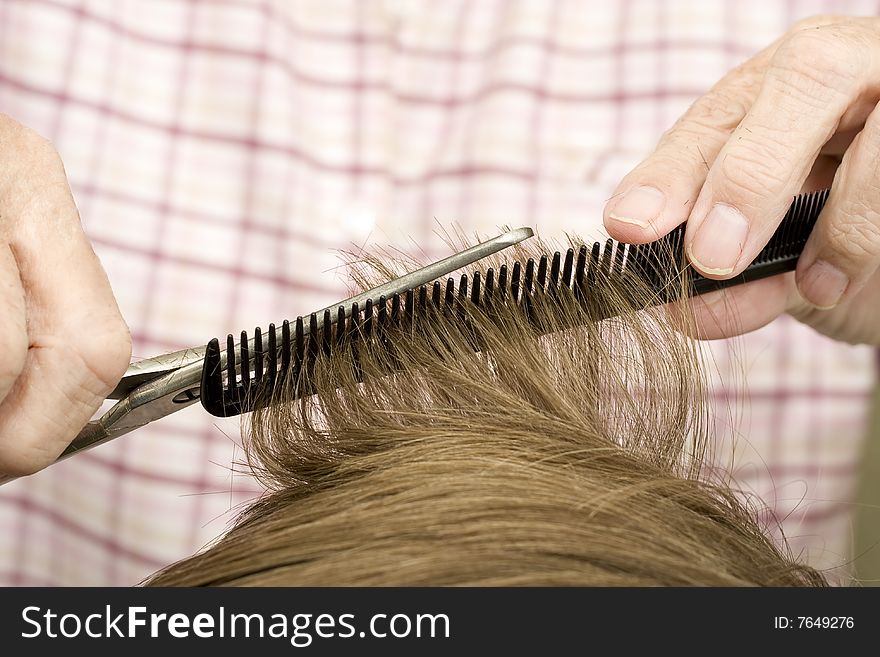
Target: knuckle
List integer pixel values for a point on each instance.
(674, 164)
(41, 163)
(28, 144)
(718, 110)
(39, 146)
(854, 233)
(752, 171)
(10, 129)
(30, 162)
(818, 65)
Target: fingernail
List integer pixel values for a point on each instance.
(719, 241)
(639, 206)
(823, 285)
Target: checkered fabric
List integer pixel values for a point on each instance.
(221, 152)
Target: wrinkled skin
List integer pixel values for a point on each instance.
(63, 342)
(798, 116)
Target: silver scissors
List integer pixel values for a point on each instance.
(156, 387)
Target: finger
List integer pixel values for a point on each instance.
(843, 250)
(13, 328)
(739, 309)
(853, 320)
(810, 82)
(78, 344)
(659, 193)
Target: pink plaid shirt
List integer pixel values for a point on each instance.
(220, 151)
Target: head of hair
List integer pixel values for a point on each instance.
(556, 437)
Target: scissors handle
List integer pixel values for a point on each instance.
(153, 399)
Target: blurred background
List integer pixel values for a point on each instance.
(222, 152)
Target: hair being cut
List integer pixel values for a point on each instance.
(558, 440)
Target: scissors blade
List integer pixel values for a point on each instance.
(149, 369)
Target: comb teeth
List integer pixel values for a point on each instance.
(254, 368)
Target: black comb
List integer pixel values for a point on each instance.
(264, 362)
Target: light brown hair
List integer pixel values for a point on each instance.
(497, 443)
